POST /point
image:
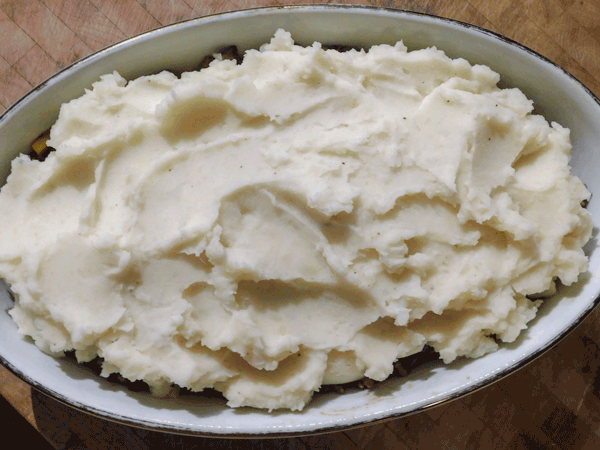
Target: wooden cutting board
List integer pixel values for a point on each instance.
(553, 403)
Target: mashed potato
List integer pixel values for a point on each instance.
(304, 218)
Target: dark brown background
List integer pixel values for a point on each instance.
(553, 403)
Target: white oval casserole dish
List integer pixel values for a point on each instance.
(557, 95)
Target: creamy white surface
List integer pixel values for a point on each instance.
(305, 217)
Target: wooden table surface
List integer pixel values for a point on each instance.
(552, 403)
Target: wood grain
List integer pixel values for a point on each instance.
(12, 85)
(36, 65)
(47, 30)
(553, 403)
(86, 21)
(20, 42)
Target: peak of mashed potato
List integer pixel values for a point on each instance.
(305, 217)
